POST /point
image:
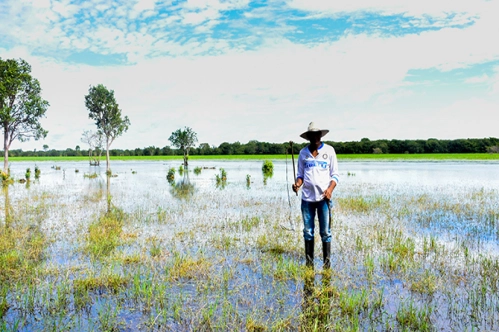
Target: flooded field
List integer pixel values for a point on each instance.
(415, 247)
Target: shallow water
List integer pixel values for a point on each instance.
(251, 271)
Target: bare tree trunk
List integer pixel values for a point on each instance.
(90, 153)
(107, 156)
(5, 150)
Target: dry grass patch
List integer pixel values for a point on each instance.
(185, 267)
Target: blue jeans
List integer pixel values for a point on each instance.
(308, 210)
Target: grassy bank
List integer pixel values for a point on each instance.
(348, 157)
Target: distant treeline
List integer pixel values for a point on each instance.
(364, 146)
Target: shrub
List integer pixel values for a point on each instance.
(171, 174)
(268, 167)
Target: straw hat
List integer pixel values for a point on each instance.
(313, 128)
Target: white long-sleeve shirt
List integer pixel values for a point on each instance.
(317, 172)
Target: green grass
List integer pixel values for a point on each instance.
(421, 156)
(353, 157)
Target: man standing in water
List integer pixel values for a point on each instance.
(318, 174)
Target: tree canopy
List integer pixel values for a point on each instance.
(21, 104)
(184, 139)
(104, 109)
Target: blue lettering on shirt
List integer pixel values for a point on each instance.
(322, 164)
(309, 164)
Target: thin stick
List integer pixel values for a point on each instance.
(293, 161)
(291, 226)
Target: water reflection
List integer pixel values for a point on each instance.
(316, 303)
(108, 193)
(183, 189)
(265, 178)
(221, 180)
(7, 206)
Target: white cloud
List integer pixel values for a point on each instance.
(216, 4)
(142, 7)
(415, 8)
(196, 18)
(495, 81)
(270, 93)
(477, 79)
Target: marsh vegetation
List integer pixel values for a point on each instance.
(414, 248)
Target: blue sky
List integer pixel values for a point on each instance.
(240, 70)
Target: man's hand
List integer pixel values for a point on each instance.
(297, 185)
(328, 194)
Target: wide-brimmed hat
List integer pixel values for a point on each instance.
(313, 128)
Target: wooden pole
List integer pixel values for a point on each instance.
(293, 161)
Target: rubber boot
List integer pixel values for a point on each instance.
(309, 252)
(326, 253)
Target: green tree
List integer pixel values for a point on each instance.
(204, 149)
(21, 105)
(184, 140)
(104, 109)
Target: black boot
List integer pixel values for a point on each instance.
(326, 253)
(309, 252)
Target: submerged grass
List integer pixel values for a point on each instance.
(168, 264)
(22, 245)
(104, 234)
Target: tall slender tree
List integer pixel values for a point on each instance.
(21, 105)
(184, 139)
(104, 109)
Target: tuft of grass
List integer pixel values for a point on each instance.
(254, 326)
(112, 282)
(288, 269)
(156, 248)
(108, 317)
(104, 234)
(416, 319)
(361, 204)
(4, 304)
(266, 244)
(425, 283)
(185, 267)
(352, 303)
(6, 178)
(249, 223)
(21, 250)
(221, 180)
(170, 176)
